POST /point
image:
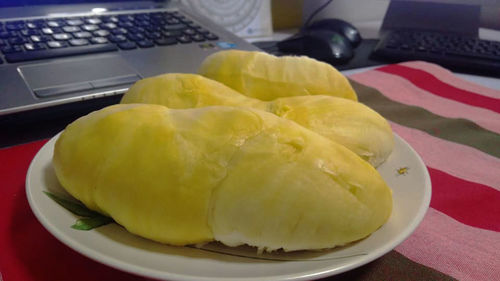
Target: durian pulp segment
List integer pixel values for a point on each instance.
(347, 122)
(311, 195)
(236, 175)
(267, 77)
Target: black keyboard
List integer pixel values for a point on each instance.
(24, 40)
(452, 50)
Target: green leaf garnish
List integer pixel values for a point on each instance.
(90, 220)
(74, 207)
(91, 223)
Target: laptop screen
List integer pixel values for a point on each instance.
(459, 16)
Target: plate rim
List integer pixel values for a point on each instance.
(134, 269)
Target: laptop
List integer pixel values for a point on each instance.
(446, 32)
(62, 52)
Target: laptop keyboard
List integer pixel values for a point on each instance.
(25, 40)
(446, 49)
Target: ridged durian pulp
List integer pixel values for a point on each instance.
(235, 175)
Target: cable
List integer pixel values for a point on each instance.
(273, 47)
(313, 14)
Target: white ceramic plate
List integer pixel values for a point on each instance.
(112, 245)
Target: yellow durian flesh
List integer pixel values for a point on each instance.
(267, 77)
(347, 122)
(149, 168)
(183, 90)
(235, 175)
(308, 193)
(352, 124)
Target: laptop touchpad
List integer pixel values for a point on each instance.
(51, 79)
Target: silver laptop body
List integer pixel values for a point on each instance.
(44, 82)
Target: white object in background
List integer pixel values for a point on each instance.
(489, 34)
(245, 18)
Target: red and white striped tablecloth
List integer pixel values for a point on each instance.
(454, 125)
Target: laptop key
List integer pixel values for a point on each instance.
(174, 27)
(135, 29)
(153, 28)
(40, 38)
(184, 39)
(172, 33)
(211, 36)
(198, 38)
(18, 40)
(142, 16)
(126, 17)
(34, 46)
(117, 38)
(36, 24)
(54, 24)
(145, 44)
(108, 25)
(15, 25)
(189, 31)
(60, 52)
(61, 36)
(57, 44)
(74, 22)
(57, 29)
(29, 32)
(154, 35)
(99, 40)
(186, 21)
(101, 33)
(125, 24)
(135, 37)
(173, 21)
(93, 21)
(71, 28)
(112, 19)
(142, 23)
(47, 31)
(82, 34)
(7, 34)
(78, 42)
(11, 49)
(166, 41)
(118, 31)
(127, 45)
(90, 27)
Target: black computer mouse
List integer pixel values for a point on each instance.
(324, 45)
(344, 28)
